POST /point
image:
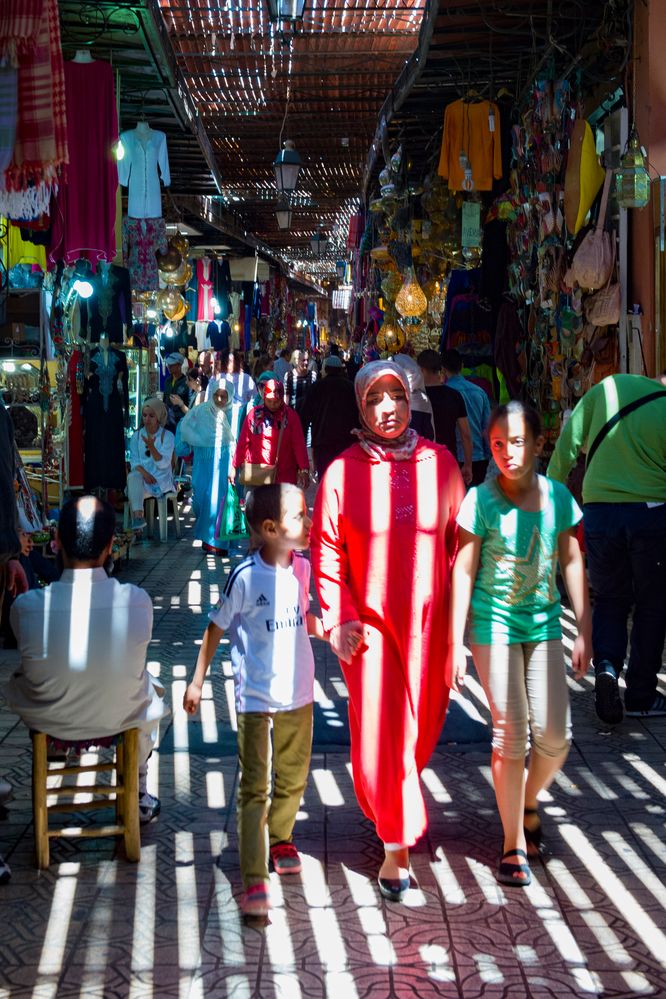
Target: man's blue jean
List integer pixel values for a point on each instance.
(626, 557)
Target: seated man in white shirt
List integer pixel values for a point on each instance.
(83, 643)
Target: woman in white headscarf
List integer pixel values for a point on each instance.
(151, 451)
(421, 408)
(207, 430)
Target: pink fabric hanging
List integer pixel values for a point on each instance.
(84, 209)
(205, 290)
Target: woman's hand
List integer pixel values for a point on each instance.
(149, 479)
(581, 655)
(175, 400)
(303, 479)
(345, 639)
(191, 698)
(17, 581)
(459, 667)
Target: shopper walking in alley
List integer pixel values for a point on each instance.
(383, 540)
(272, 435)
(513, 530)
(330, 411)
(207, 431)
(299, 380)
(477, 405)
(266, 609)
(621, 425)
(449, 413)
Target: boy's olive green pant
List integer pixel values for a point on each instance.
(287, 761)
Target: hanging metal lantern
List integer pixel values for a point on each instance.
(318, 244)
(283, 214)
(411, 300)
(287, 166)
(632, 180)
(286, 10)
(390, 338)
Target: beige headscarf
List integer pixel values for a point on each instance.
(158, 408)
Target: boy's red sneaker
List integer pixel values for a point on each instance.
(255, 901)
(286, 859)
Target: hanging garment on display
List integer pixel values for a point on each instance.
(105, 405)
(40, 145)
(222, 287)
(217, 334)
(75, 382)
(471, 154)
(84, 209)
(144, 152)
(8, 114)
(201, 333)
(109, 308)
(142, 239)
(509, 348)
(191, 297)
(20, 250)
(205, 289)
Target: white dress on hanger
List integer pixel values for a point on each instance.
(144, 152)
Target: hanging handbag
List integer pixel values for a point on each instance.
(593, 261)
(259, 474)
(603, 308)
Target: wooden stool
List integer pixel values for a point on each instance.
(125, 789)
(162, 512)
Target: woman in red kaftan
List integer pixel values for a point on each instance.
(383, 540)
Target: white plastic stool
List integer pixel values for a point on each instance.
(162, 512)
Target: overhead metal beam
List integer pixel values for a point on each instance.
(403, 85)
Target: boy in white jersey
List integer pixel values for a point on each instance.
(265, 607)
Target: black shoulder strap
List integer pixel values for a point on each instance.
(614, 420)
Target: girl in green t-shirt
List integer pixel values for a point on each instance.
(513, 531)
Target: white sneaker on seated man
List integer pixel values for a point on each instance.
(83, 643)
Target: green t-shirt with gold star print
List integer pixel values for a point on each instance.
(515, 596)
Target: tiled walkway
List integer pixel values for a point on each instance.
(593, 923)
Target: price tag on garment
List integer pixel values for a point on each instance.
(471, 223)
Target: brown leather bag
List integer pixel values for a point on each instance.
(593, 261)
(257, 473)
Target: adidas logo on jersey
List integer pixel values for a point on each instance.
(262, 601)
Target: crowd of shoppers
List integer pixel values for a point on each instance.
(409, 567)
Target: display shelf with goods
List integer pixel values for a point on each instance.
(35, 396)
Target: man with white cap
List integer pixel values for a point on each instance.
(176, 391)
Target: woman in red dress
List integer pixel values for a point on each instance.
(383, 541)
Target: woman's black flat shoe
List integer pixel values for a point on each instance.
(393, 889)
(506, 873)
(533, 837)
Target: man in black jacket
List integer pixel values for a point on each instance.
(330, 408)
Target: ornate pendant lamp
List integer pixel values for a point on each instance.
(411, 300)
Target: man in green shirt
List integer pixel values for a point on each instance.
(621, 425)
